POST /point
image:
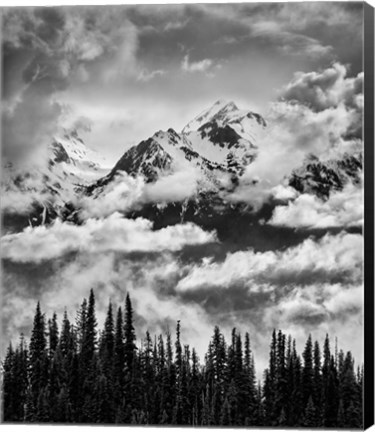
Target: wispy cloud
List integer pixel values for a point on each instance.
(146, 75)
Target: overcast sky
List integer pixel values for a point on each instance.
(132, 70)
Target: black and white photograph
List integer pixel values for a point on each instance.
(182, 213)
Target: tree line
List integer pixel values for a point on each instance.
(81, 375)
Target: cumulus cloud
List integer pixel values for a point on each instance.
(204, 66)
(307, 263)
(283, 193)
(294, 130)
(114, 233)
(326, 88)
(173, 187)
(20, 191)
(126, 193)
(322, 303)
(20, 202)
(342, 209)
(123, 194)
(320, 114)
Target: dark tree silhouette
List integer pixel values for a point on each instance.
(80, 375)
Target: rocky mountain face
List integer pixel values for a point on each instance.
(322, 178)
(49, 187)
(218, 145)
(221, 140)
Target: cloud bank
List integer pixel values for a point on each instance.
(309, 263)
(126, 193)
(342, 209)
(114, 233)
(314, 287)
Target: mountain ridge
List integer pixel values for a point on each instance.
(217, 146)
(217, 141)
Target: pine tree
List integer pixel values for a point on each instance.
(9, 398)
(307, 372)
(38, 369)
(53, 334)
(107, 343)
(88, 361)
(80, 325)
(105, 384)
(66, 341)
(75, 393)
(280, 381)
(250, 412)
(55, 382)
(21, 377)
(294, 406)
(269, 388)
(129, 334)
(330, 387)
(350, 394)
(177, 410)
(317, 386)
(148, 377)
(118, 362)
(170, 388)
(195, 390)
(218, 356)
(178, 350)
(309, 418)
(332, 400)
(89, 340)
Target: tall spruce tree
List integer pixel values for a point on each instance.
(88, 367)
(119, 365)
(38, 366)
(307, 372)
(317, 387)
(53, 334)
(129, 334)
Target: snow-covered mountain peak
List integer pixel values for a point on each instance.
(78, 152)
(218, 111)
(228, 120)
(46, 190)
(222, 139)
(76, 159)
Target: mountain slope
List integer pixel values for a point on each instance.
(322, 178)
(50, 187)
(212, 151)
(223, 139)
(219, 144)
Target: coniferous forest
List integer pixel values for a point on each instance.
(77, 374)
